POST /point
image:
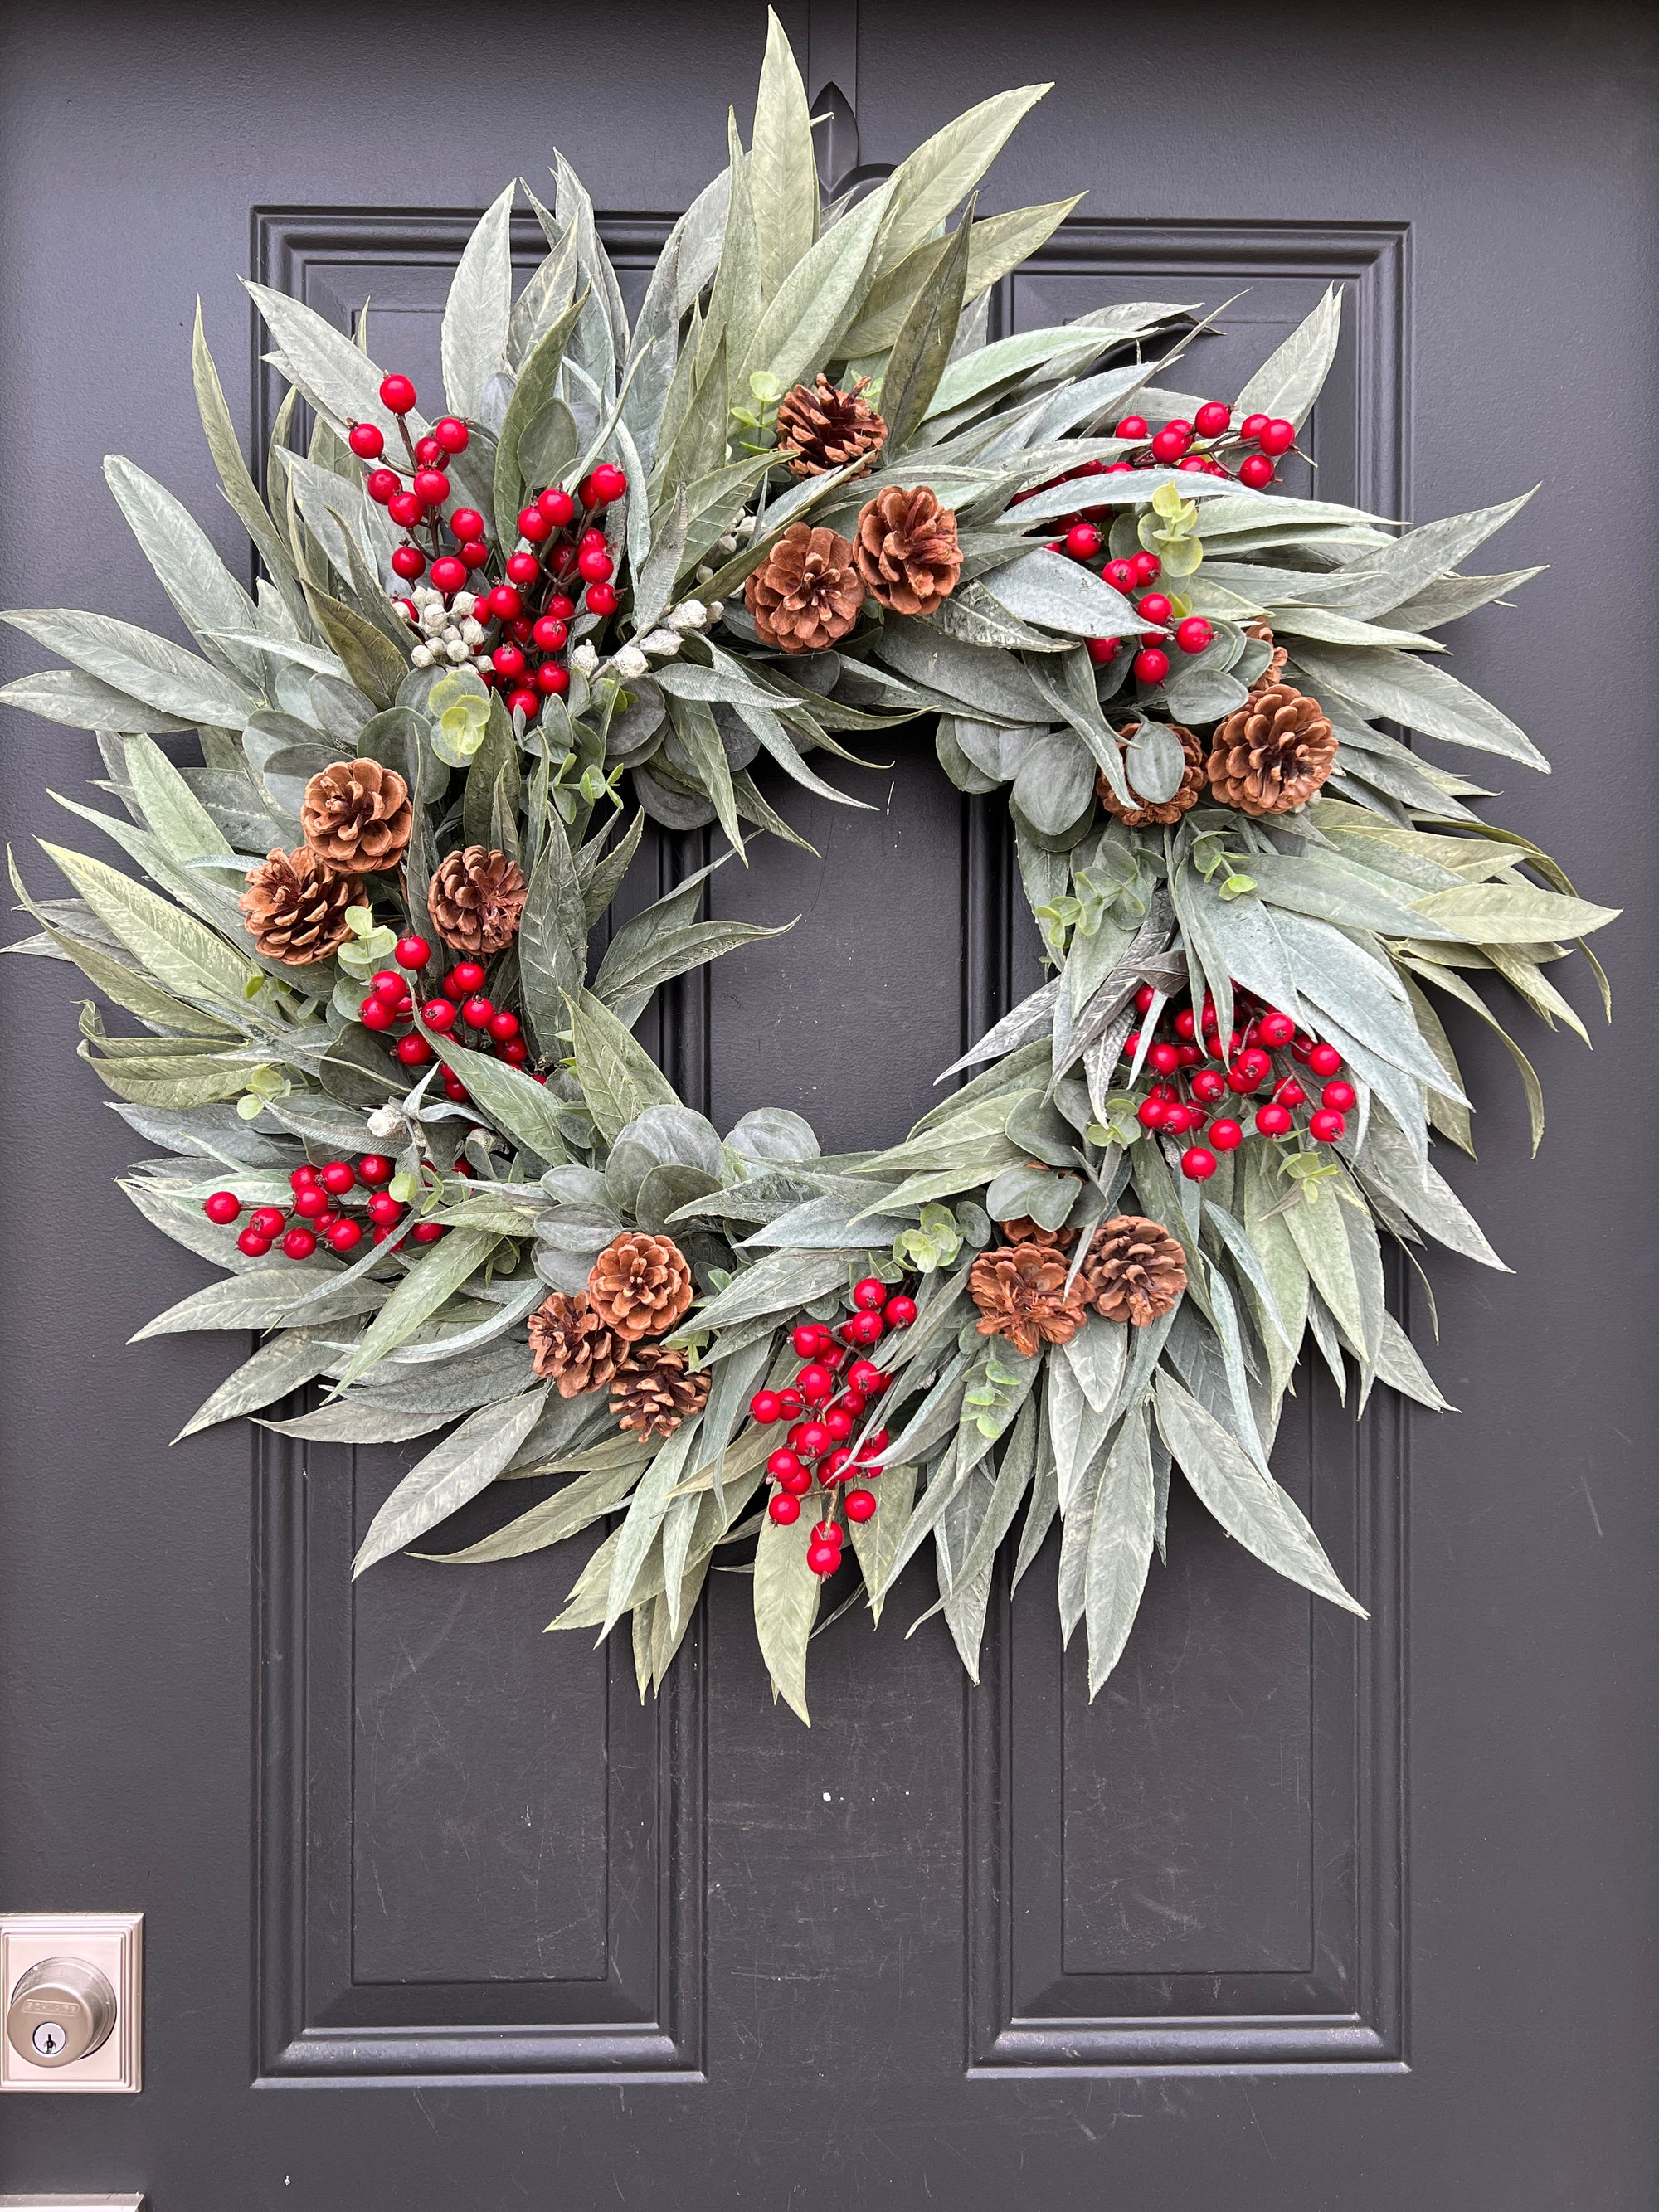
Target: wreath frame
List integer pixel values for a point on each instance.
(809, 486)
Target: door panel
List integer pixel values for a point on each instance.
(438, 1914)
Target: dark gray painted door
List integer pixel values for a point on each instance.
(1302, 1914)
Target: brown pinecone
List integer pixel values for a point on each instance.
(295, 906)
(570, 1345)
(475, 900)
(1165, 811)
(826, 428)
(807, 592)
(653, 1393)
(1025, 1230)
(357, 815)
(1135, 1270)
(1262, 632)
(907, 550)
(1021, 1294)
(639, 1285)
(1273, 754)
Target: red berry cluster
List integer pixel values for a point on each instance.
(1195, 446)
(560, 555)
(1187, 1089)
(319, 1214)
(829, 1394)
(494, 1030)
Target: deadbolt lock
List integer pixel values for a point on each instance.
(61, 2009)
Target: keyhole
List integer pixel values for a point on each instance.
(48, 2039)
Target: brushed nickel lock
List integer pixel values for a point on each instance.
(71, 1985)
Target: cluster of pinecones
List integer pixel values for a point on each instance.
(1135, 1271)
(1269, 757)
(357, 822)
(637, 1289)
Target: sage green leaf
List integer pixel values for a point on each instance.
(1076, 1429)
(552, 938)
(1062, 594)
(1512, 913)
(1253, 1510)
(1332, 625)
(1415, 562)
(785, 1605)
(567, 1513)
(1095, 1356)
(817, 299)
(978, 375)
(1120, 1549)
(353, 1421)
(1155, 762)
(534, 391)
(337, 377)
(944, 168)
(479, 308)
(178, 951)
(190, 573)
(1454, 596)
(600, 874)
(289, 1361)
(1386, 1160)
(521, 1108)
(876, 1541)
(1393, 687)
(1055, 783)
(239, 485)
(783, 178)
(618, 1078)
(698, 733)
(1289, 381)
(548, 445)
(263, 1299)
(1039, 1514)
(627, 990)
(1322, 1238)
(141, 666)
(644, 1520)
(776, 1285)
(1399, 1366)
(82, 702)
(185, 829)
(921, 350)
(466, 1463)
(434, 1277)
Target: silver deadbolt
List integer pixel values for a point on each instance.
(61, 2010)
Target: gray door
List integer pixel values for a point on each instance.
(1302, 1912)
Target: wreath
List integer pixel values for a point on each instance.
(801, 499)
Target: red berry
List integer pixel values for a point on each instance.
(429, 453)
(553, 680)
(381, 484)
(452, 435)
(784, 1509)
(1277, 1030)
(366, 441)
(523, 701)
(411, 952)
(839, 1423)
(1132, 426)
(1291, 1093)
(408, 562)
(1340, 1097)
(428, 1232)
(503, 1025)
(790, 1403)
(311, 1203)
(267, 1221)
(1211, 1085)
(1164, 1058)
(338, 1176)
(1172, 441)
(830, 1470)
(1251, 1068)
(1325, 1059)
(508, 661)
(1325, 1127)
(1152, 666)
(823, 1559)
(413, 1051)
(1278, 438)
(899, 1312)
(871, 1295)
(432, 488)
(1197, 1165)
(763, 1406)
(384, 1211)
(1252, 427)
(222, 1207)
(448, 574)
(783, 1464)
(865, 1375)
(596, 565)
(375, 1014)
(1226, 1135)
(1178, 1118)
(809, 1338)
(1151, 1113)
(1256, 470)
(466, 522)
(299, 1243)
(601, 599)
(1212, 419)
(1155, 608)
(389, 985)
(523, 567)
(1083, 541)
(505, 602)
(1119, 574)
(476, 1012)
(812, 1438)
(1102, 649)
(561, 608)
(346, 1236)
(558, 506)
(550, 634)
(1274, 1121)
(606, 484)
(375, 1169)
(1147, 567)
(397, 394)
(455, 1091)
(304, 1177)
(815, 1382)
(474, 555)
(1192, 635)
(465, 975)
(253, 1244)
(864, 1328)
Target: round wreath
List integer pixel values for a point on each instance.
(802, 497)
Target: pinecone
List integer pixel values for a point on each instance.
(1025, 1230)
(907, 550)
(639, 1285)
(475, 900)
(806, 592)
(295, 906)
(1021, 1294)
(1272, 754)
(570, 1345)
(1262, 632)
(357, 815)
(1165, 810)
(826, 428)
(653, 1393)
(1135, 1270)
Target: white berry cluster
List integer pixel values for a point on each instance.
(450, 632)
(629, 662)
